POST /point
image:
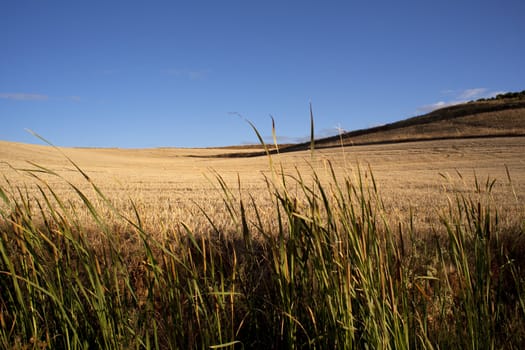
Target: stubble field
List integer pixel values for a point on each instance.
(415, 244)
(168, 185)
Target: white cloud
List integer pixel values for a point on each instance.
(470, 94)
(477, 93)
(441, 104)
(495, 93)
(23, 96)
(459, 97)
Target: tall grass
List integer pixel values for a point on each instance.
(333, 273)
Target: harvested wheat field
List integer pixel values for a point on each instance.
(388, 245)
(167, 185)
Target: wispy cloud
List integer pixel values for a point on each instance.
(469, 94)
(188, 74)
(459, 96)
(476, 93)
(440, 104)
(23, 96)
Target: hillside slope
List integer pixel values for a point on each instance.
(497, 117)
(484, 118)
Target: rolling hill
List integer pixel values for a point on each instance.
(501, 116)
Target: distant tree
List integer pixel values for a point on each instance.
(507, 95)
(510, 95)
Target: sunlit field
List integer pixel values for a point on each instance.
(168, 185)
(416, 244)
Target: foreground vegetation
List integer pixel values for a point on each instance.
(334, 274)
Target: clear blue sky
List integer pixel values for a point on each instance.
(178, 73)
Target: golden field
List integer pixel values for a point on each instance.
(168, 185)
(407, 235)
(399, 245)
